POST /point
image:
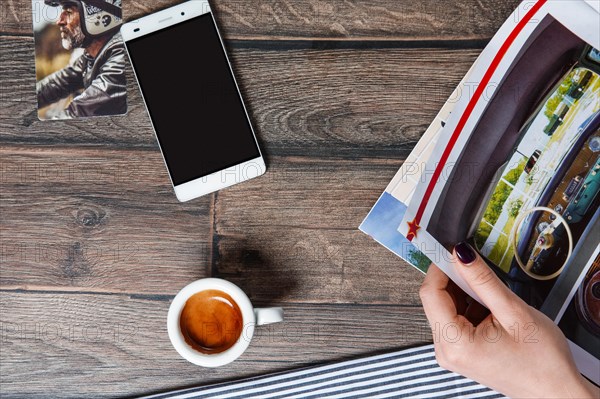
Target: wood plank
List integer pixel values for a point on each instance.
(330, 103)
(330, 19)
(97, 220)
(73, 346)
(294, 234)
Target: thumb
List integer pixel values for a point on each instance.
(504, 304)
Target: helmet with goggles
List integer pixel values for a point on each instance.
(98, 17)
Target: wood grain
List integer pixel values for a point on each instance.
(97, 220)
(321, 19)
(329, 103)
(284, 235)
(74, 346)
(294, 233)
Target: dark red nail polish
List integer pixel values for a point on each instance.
(465, 253)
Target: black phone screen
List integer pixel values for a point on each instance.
(193, 100)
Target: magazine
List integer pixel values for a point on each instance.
(511, 164)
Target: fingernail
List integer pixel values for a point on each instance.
(465, 253)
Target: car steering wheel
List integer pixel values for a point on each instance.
(546, 244)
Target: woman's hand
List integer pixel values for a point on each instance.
(511, 348)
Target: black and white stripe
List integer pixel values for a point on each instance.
(411, 373)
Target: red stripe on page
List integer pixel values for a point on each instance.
(414, 225)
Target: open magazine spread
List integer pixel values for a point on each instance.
(511, 164)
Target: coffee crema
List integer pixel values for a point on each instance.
(211, 322)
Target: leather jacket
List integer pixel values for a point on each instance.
(99, 84)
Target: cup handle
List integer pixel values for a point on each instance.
(268, 315)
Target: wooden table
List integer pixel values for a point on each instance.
(94, 244)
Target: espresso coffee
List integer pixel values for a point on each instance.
(211, 322)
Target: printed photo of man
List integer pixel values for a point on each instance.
(93, 82)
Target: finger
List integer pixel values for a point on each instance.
(501, 301)
(437, 302)
(490, 329)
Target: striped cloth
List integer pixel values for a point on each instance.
(411, 373)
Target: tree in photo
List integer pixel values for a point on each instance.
(420, 260)
(514, 207)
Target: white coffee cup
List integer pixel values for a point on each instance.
(251, 317)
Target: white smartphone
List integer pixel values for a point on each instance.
(194, 103)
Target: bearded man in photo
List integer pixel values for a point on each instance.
(96, 79)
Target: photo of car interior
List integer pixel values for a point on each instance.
(527, 182)
(588, 299)
(541, 204)
(581, 321)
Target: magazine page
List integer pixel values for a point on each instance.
(516, 168)
(579, 318)
(382, 221)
